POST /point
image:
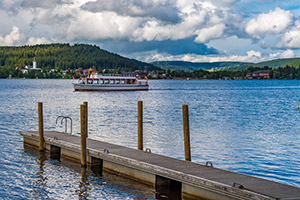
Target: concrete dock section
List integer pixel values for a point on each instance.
(183, 179)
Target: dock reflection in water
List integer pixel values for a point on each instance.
(85, 183)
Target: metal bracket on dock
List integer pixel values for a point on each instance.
(105, 151)
(63, 118)
(238, 185)
(209, 164)
(148, 150)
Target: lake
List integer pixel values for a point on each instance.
(250, 127)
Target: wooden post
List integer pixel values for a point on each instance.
(140, 125)
(186, 132)
(83, 135)
(41, 126)
(86, 117)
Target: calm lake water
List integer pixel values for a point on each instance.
(251, 127)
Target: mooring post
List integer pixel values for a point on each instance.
(140, 125)
(86, 117)
(186, 132)
(83, 135)
(41, 126)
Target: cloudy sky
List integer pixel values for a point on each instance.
(149, 30)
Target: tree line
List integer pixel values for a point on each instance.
(62, 57)
(286, 72)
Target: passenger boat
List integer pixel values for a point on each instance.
(111, 83)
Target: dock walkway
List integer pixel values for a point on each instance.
(194, 179)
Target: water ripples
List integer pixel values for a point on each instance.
(250, 127)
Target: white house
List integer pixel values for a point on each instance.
(34, 68)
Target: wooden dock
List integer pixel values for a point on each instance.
(183, 179)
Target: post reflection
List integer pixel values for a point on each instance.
(40, 182)
(84, 185)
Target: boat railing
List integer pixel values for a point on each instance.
(120, 75)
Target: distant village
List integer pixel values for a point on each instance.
(155, 74)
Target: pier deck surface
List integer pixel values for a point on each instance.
(249, 183)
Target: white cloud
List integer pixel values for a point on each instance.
(70, 23)
(285, 54)
(252, 56)
(152, 22)
(97, 26)
(12, 38)
(291, 39)
(186, 58)
(273, 22)
(207, 34)
(192, 18)
(200, 19)
(83, 20)
(288, 54)
(34, 41)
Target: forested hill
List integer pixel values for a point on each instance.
(66, 56)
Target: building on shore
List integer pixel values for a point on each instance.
(33, 68)
(260, 74)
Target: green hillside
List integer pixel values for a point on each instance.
(191, 66)
(66, 56)
(217, 66)
(271, 64)
(276, 63)
(295, 64)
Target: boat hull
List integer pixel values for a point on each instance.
(108, 87)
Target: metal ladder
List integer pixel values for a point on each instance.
(63, 118)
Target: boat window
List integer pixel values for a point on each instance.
(90, 81)
(105, 81)
(83, 81)
(122, 82)
(95, 81)
(112, 81)
(117, 81)
(101, 81)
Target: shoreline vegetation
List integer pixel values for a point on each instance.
(64, 61)
(287, 73)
